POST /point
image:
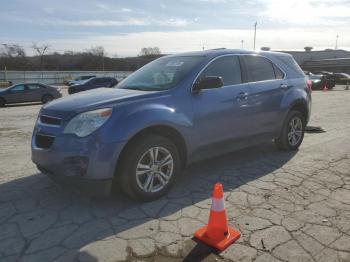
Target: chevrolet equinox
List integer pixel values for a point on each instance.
(173, 111)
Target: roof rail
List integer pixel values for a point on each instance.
(221, 48)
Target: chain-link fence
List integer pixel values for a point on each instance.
(54, 77)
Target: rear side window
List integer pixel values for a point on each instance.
(227, 67)
(278, 73)
(33, 87)
(258, 68)
(291, 64)
(99, 80)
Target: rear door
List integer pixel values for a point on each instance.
(35, 92)
(268, 85)
(221, 115)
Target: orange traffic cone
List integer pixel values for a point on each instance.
(325, 88)
(217, 233)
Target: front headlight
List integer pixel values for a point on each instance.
(86, 123)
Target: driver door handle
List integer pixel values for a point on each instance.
(285, 86)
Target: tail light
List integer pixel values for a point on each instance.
(309, 85)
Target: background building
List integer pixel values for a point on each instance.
(333, 60)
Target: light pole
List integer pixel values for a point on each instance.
(336, 42)
(242, 41)
(256, 23)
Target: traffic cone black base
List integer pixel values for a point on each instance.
(221, 245)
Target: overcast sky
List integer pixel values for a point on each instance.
(124, 27)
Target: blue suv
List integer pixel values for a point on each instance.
(173, 111)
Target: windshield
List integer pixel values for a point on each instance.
(161, 74)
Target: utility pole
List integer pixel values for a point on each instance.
(242, 41)
(103, 61)
(336, 42)
(5, 72)
(256, 23)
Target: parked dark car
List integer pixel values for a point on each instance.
(31, 92)
(342, 78)
(173, 111)
(328, 77)
(92, 83)
(79, 80)
(318, 82)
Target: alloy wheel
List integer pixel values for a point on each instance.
(295, 131)
(154, 169)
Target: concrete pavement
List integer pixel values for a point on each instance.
(289, 206)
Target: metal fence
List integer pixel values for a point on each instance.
(54, 77)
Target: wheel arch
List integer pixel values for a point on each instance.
(162, 130)
(301, 107)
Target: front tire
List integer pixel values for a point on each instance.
(292, 133)
(149, 168)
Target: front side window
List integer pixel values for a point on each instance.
(161, 74)
(227, 67)
(258, 68)
(18, 88)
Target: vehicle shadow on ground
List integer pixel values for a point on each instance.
(56, 222)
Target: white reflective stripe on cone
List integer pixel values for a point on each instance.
(217, 204)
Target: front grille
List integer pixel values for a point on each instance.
(50, 120)
(44, 141)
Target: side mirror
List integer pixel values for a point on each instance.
(208, 82)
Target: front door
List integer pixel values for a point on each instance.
(18, 94)
(222, 115)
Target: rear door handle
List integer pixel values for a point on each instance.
(242, 96)
(285, 86)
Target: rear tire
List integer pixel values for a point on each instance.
(46, 98)
(2, 102)
(153, 179)
(292, 133)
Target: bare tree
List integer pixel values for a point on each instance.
(68, 52)
(99, 51)
(147, 51)
(12, 51)
(41, 50)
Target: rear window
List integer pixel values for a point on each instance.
(258, 68)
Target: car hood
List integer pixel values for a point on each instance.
(71, 105)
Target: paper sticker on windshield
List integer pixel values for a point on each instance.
(174, 63)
